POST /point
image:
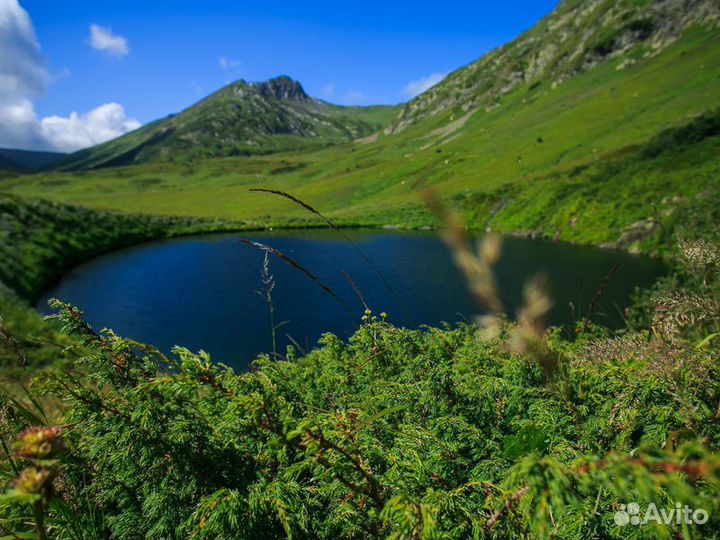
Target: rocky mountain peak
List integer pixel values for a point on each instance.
(282, 87)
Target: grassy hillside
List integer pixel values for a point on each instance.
(575, 38)
(508, 154)
(238, 120)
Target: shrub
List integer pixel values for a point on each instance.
(435, 433)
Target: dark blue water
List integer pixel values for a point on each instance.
(199, 292)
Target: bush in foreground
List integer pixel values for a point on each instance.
(434, 433)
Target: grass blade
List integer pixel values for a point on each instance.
(290, 262)
(599, 293)
(357, 290)
(327, 220)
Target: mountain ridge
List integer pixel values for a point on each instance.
(277, 115)
(574, 38)
(282, 87)
(530, 162)
(242, 118)
(12, 159)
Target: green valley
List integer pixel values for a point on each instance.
(534, 134)
(600, 125)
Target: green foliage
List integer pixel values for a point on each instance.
(432, 433)
(435, 433)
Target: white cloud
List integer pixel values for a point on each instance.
(77, 131)
(103, 39)
(415, 88)
(23, 77)
(19, 127)
(228, 63)
(22, 66)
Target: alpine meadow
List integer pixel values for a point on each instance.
(489, 311)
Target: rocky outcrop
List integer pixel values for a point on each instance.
(282, 87)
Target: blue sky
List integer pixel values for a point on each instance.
(155, 57)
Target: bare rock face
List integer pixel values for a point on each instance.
(282, 87)
(576, 37)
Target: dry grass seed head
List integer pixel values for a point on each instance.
(681, 310)
(476, 266)
(699, 254)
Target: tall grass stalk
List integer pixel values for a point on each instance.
(266, 293)
(297, 266)
(342, 233)
(530, 336)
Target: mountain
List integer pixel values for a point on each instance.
(238, 120)
(7, 164)
(27, 160)
(576, 37)
(543, 136)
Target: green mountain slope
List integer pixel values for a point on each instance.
(239, 119)
(496, 161)
(27, 160)
(7, 164)
(576, 37)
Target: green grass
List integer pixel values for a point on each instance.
(535, 135)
